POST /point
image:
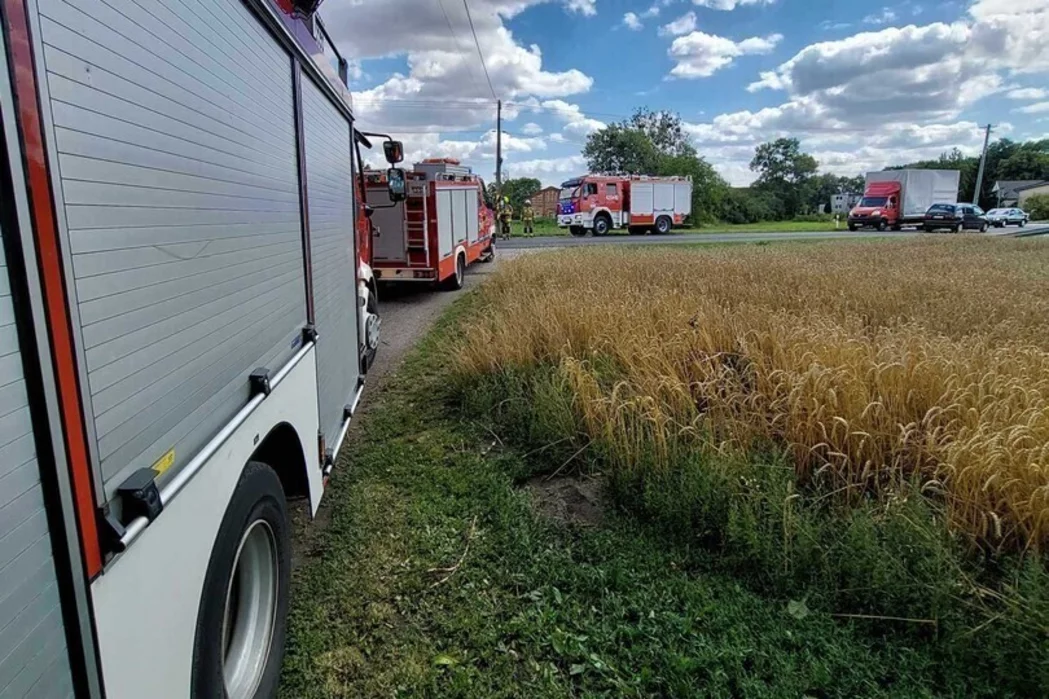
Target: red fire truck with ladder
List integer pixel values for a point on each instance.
(443, 225)
(639, 203)
(185, 322)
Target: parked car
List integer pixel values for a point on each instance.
(955, 217)
(1008, 217)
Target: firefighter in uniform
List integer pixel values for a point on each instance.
(506, 212)
(528, 216)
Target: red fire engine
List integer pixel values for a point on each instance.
(638, 203)
(442, 226)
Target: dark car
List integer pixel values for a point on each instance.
(1008, 217)
(955, 217)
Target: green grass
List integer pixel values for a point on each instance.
(541, 610)
(549, 228)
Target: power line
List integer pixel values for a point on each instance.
(455, 38)
(478, 45)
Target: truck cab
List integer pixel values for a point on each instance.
(879, 208)
(593, 203)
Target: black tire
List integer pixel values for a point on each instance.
(663, 225)
(959, 228)
(852, 227)
(882, 225)
(257, 502)
(456, 281)
(602, 225)
(577, 231)
(1023, 223)
(983, 227)
(368, 357)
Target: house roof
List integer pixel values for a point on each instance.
(1042, 183)
(1010, 187)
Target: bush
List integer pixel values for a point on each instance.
(814, 218)
(1038, 207)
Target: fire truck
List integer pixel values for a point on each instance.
(186, 317)
(443, 225)
(637, 203)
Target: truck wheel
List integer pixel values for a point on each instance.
(372, 328)
(663, 225)
(602, 225)
(456, 281)
(577, 231)
(882, 225)
(242, 619)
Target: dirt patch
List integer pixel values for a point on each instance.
(568, 499)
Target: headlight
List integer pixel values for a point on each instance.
(876, 212)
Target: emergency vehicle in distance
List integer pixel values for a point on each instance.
(639, 203)
(187, 317)
(443, 224)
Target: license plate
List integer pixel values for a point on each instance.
(937, 216)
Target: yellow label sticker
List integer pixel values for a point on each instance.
(165, 462)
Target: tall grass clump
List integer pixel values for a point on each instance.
(869, 422)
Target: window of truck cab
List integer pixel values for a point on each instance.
(569, 193)
(611, 189)
(873, 201)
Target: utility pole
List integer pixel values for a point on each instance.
(983, 163)
(499, 153)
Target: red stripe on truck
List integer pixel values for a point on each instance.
(49, 257)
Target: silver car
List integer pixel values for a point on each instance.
(1008, 217)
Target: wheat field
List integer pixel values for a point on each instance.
(873, 365)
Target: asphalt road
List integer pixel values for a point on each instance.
(694, 238)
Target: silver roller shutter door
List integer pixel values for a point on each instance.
(176, 151)
(34, 663)
(329, 184)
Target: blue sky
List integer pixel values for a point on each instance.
(863, 85)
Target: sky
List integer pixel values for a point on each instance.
(861, 84)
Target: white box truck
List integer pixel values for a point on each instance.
(183, 322)
(897, 198)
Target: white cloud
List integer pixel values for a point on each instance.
(682, 25)
(828, 25)
(531, 129)
(587, 8)
(549, 171)
(1028, 93)
(576, 124)
(891, 96)
(557, 138)
(653, 11)
(884, 17)
(631, 21)
(729, 4)
(444, 87)
(700, 55)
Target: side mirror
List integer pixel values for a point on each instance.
(394, 151)
(395, 184)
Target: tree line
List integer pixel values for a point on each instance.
(787, 181)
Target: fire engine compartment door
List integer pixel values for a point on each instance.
(33, 658)
(472, 225)
(452, 218)
(389, 236)
(664, 198)
(329, 185)
(641, 203)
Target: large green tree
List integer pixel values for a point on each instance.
(785, 170)
(656, 143)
